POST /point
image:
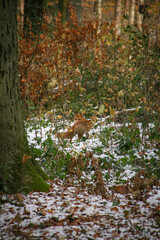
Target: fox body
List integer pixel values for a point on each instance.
(62, 135)
(80, 127)
(83, 126)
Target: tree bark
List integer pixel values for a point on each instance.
(77, 4)
(99, 13)
(126, 12)
(132, 12)
(21, 14)
(99, 9)
(33, 15)
(118, 14)
(15, 175)
(139, 16)
(157, 33)
(63, 7)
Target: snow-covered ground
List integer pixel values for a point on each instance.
(72, 211)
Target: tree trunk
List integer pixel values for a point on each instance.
(157, 32)
(139, 16)
(99, 9)
(33, 15)
(21, 14)
(132, 12)
(77, 4)
(15, 174)
(99, 13)
(118, 13)
(126, 13)
(63, 10)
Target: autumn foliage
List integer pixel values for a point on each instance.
(86, 61)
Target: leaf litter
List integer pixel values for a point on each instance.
(87, 205)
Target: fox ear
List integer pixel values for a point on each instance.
(81, 113)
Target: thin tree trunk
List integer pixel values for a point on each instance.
(157, 32)
(126, 12)
(139, 16)
(33, 15)
(63, 9)
(132, 12)
(118, 15)
(22, 14)
(127, 4)
(77, 4)
(99, 11)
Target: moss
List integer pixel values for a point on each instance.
(39, 169)
(33, 177)
(17, 176)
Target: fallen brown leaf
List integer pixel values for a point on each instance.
(25, 157)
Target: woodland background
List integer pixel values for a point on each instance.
(98, 58)
(89, 53)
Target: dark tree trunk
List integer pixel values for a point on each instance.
(14, 173)
(33, 15)
(63, 8)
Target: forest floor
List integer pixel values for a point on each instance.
(108, 198)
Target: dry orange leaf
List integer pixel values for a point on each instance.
(115, 209)
(19, 197)
(43, 212)
(49, 211)
(112, 111)
(25, 157)
(121, 189)
(106, 104)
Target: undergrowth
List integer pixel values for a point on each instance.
(120, 145)
(79, 69)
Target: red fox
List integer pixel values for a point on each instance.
(62, 135)
(79, 117)
(80, 127)
(83, 126)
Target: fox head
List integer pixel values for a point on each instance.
(78, 117)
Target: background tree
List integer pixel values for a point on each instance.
(21, 14)
(126, 12)
(132, 12)
(139, 15)
(99, 12)
(78, 8)
(17, 171)
(63, 8)
(118, 15)
(33, 14)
